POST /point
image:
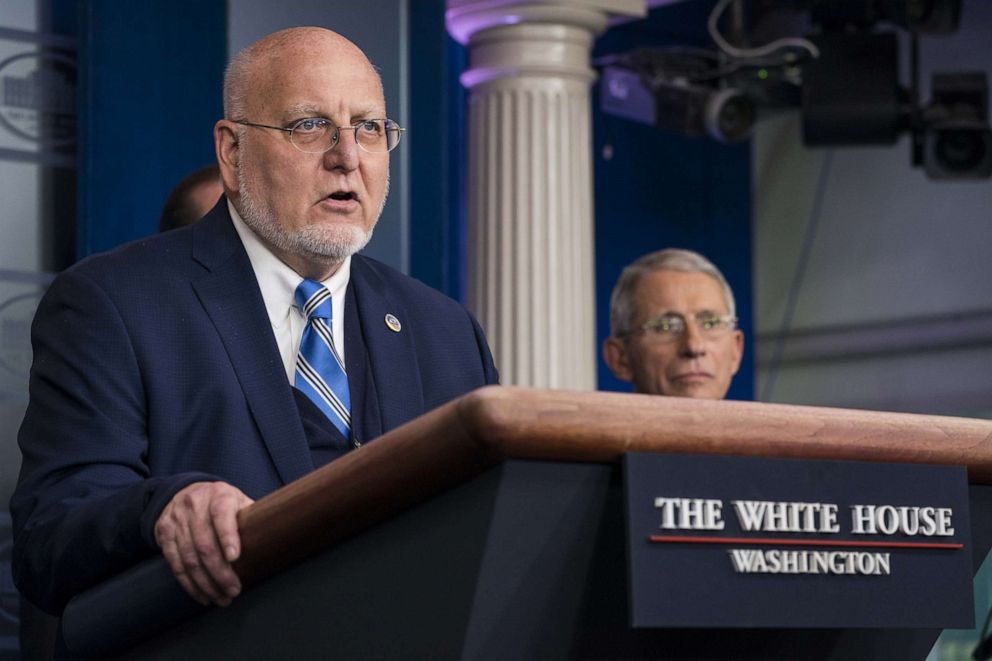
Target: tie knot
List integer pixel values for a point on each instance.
(313, 299)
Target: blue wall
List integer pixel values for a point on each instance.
(663, 190)
(150, 80)
(438, 115)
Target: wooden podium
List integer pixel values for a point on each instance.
(493, 527)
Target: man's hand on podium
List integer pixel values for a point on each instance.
(198, 534)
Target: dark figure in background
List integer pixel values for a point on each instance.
(171, 403)
(191, 199)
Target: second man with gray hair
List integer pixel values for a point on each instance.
(673, 327)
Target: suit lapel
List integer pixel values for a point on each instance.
(231, 298)
(392, 355)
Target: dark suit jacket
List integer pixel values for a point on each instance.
(155, 366)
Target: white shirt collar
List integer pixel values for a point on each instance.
(278, 281)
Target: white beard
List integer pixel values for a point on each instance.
(323, 242)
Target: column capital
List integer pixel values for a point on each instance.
(465, 18)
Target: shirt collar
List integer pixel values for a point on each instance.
(276, 280)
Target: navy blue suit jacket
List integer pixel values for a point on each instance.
(155, 366)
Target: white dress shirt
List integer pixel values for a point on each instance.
(278, 283)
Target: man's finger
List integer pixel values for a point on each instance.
(171, 553)
(198, 534)
(225, 521)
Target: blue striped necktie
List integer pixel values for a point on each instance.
(319, 369)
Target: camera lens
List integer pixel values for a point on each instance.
(960, 150)
(730, 115)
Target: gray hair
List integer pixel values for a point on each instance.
(670, 259)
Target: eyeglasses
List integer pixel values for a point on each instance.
(670, 327)
(315, 135)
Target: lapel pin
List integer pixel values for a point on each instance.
(393, 323)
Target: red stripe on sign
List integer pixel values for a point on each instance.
(772, 541)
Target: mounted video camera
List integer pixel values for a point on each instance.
(677, 90)
(852, 96)
(844, 76)
(956, 139)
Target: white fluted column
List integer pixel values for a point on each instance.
(530, 262)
